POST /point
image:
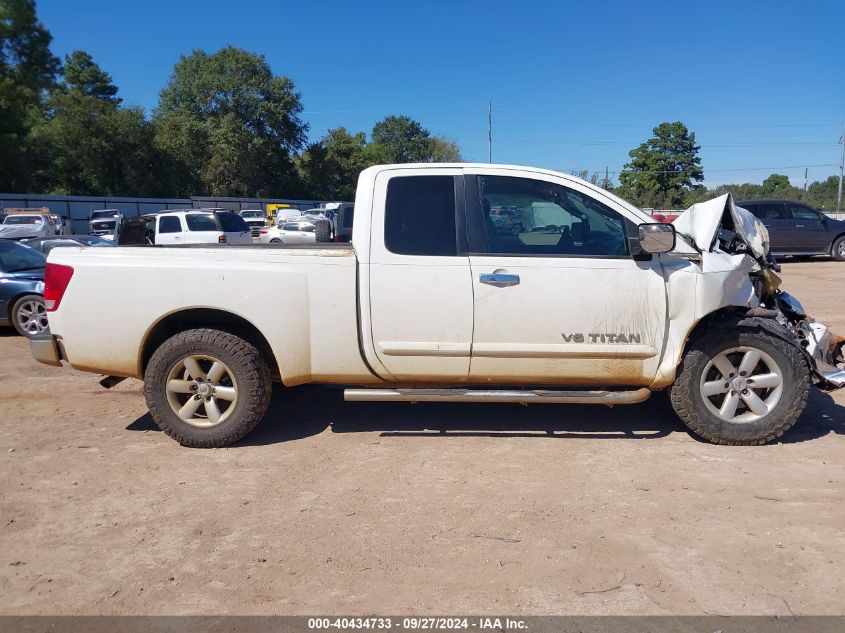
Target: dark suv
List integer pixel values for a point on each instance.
(796, 229)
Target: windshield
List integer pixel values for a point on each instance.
(232, 222)
(252, 214)
(201, 222)
(14, 257)
(102, 215)
(23, 219)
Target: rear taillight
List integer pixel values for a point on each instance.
(264, 232)
(222, 239)
(56, 279)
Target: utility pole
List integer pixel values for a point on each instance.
(606, 180)
(490, 134)
(841, 168)
(806, 171)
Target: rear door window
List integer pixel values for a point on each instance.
(771, 211)
(420, 216)
(169, 224)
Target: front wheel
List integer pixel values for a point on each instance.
(206, 388)
(741, 386)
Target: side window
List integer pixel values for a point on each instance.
(803, 213)
(420, 216)
(169, 224)
(532, 217)
(771, 211)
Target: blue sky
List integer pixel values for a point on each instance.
(573, 85)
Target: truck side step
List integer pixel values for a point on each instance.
(538, 396)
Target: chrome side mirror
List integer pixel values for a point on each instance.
(657, 237)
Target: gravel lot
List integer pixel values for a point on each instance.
(392, 508)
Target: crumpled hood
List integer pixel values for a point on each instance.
(702, 222)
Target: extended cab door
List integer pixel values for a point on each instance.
(561, 300)
(418, 281)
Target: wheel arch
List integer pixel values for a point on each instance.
(198, 317)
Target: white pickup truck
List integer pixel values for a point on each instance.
(588, 302)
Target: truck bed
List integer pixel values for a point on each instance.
(301, 299)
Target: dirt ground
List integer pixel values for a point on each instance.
(398, 509)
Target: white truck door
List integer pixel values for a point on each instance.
(169, 230)
(420, 290)
(558, 298)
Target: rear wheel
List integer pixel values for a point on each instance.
(29, 316)
(206, 388)
(838, 250)
(741, 387)
(275, 240)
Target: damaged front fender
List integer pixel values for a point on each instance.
(824, 349)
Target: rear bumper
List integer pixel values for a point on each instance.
(45, 349)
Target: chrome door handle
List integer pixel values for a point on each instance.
(799, 226)
(500, 280)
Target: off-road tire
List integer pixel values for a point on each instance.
(323, 230)
(13, 313)
(837, 251)
(688, 402)
(250, 371)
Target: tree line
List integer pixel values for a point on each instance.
(665, 172)
(225, 125)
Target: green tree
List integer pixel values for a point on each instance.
(97, 147)
(665, 170)
(229, 126)
(822, 194)
(775, 185)
(401, 139)
(27, 70)
(83, 75)
(444, 150)
(329, 168)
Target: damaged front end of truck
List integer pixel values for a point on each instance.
(719, 226)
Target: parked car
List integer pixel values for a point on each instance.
(430, 303)
(46, 244)
(21, 226)
(255, 219)
(22, 288)
(190, 227)
(105, 222)
(289, 233)
(799, 230)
